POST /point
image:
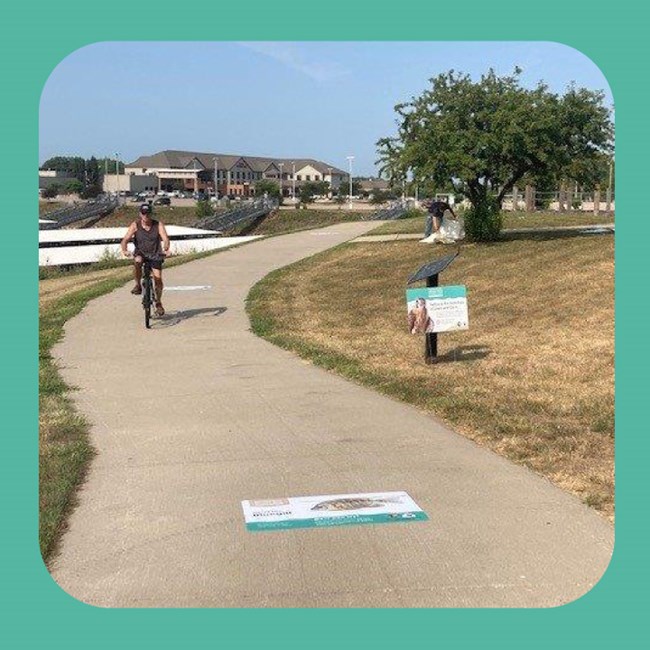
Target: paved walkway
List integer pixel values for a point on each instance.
(193, 417)
(608, 227)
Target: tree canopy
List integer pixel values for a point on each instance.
(480, 138)
(88, 171)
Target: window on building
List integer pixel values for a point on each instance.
(299, 177)
(316, 177)
(308, 177)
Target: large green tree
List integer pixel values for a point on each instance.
(480, 138)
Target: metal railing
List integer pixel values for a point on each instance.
(394, 211)
(66, 216)
(237, 217)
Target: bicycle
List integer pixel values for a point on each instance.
(148, 291)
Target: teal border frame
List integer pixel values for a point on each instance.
(36, 613)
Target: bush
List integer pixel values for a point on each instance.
(378, 197)
(51, 192)
(266, 186)
(73, 187)
(483, 222)
(412, 213)
(340, 199)
(90, 192)
(306, 194)
(203, 209)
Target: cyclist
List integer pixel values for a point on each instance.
(151, 241)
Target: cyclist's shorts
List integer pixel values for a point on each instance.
(155, 263)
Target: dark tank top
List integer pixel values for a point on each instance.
(147, 242)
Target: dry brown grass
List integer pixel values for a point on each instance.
(533, 377)
(51, 289)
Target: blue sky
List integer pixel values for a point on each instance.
(323, 100)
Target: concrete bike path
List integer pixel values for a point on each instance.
(198, 414)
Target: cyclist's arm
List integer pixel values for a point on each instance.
(127, 238)
(163, 235)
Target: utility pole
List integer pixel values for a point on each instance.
(293, 176)
(117, 174)
(281, 166)
(350, 159)
(216, 186)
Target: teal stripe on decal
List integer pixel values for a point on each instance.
(327, 522)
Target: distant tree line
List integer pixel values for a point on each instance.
(85, 175)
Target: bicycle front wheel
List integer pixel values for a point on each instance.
(146, 302)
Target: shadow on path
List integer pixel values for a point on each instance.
(174, 318)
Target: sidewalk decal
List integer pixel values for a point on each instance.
(190, 287)
(331, 510)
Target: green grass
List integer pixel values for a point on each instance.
(169, 215)
(510, 220)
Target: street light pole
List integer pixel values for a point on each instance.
(117, 174)
(293, 178)
(281, 166)
(350, 159)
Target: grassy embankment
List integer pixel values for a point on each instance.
(532, 379)
(285, 221)
(280, 222)
(49, 206)
(510, 220)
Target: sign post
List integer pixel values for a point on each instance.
(431, 339)
(435, 311)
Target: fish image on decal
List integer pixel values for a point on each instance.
(352, 504)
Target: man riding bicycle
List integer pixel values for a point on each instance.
(151, 241)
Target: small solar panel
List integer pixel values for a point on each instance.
(432, 268)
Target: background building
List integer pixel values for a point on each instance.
(48, 177)
(130, 183)
(235, 175)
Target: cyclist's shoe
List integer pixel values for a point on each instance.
(137, 290)
(159, 309)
